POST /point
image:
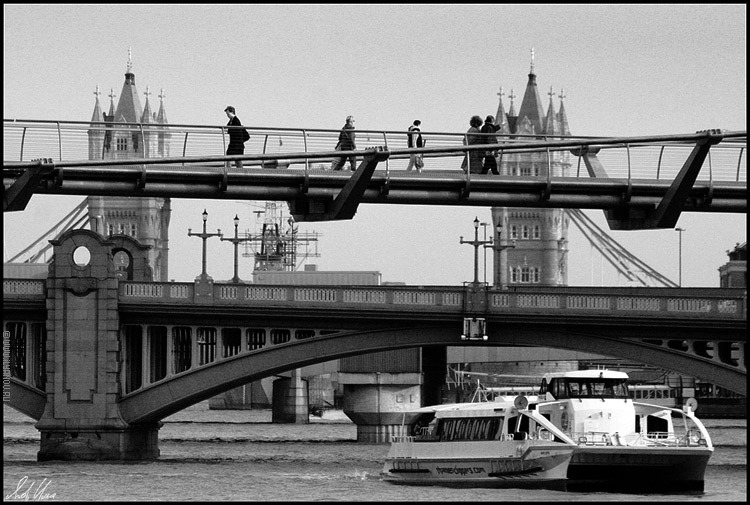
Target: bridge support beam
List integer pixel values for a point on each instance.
(81, 419)
(344, 206)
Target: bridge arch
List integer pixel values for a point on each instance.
(160, 400)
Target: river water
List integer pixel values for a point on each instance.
(211, 455)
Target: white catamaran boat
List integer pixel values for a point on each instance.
(621, 442)
(497, 444)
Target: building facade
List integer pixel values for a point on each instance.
(733, 274)
(540, 235)
(130, 131)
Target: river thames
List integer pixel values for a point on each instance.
(212, 455)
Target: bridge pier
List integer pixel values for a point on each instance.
(91, 443)
(81, 419)
(378, 402)
(290, 400)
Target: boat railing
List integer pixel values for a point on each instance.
(593, 438)
(402, 438)
(692, 438)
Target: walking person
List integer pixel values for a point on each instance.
(346, 143)
(490, 163)
(473, 158)
(414, 139)
(237, 136)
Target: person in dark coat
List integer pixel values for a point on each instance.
(474, 158)
(414, 139)
(490, 163)
(237, 135)
(346, 143)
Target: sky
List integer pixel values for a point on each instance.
(627, 70)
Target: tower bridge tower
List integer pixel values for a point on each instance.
(541, 235)
(116, 136)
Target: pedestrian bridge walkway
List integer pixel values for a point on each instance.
(640, 182)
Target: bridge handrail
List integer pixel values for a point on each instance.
(24, 140)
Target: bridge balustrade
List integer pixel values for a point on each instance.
(19, 287)
(680, 302)
(669, 302)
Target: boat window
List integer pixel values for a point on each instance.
(472, 428)
(595, 388)
(543, 387)
(422, 426)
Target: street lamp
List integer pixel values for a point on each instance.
(204, 236)
(484, 227)
(500, 248)
(476, 243)
(679, 231)
(236, 240)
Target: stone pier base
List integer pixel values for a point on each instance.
(290, 401)
(136, 443)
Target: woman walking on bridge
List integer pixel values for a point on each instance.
(473, 158)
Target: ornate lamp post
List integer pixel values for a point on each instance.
(500, 248)
(204, 236)
(476, 243)
(484, 227)
(236, 240)
(679, 231)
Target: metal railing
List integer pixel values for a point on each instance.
(646, 157)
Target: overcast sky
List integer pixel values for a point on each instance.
(627, 70)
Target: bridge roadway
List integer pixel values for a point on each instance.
(640, 182)
(201, 340)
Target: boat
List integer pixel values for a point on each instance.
(623, 443)
(491, 444)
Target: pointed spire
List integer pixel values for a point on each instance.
(129, 75)
(147, 116)
(501, 119)
(111, 103)
(512, 110)
(531, 105)
(562, 117)
(161, 117)
(129, 108)
(550, 122)
(97, 116)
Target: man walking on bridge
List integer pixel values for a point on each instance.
(490, 163)
(237, 136)
(346, 143)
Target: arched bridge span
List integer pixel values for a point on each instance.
(699, 332)
(170, 396)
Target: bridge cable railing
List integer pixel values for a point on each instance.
(648, 157)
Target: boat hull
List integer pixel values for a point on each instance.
(479, 464)
(638, 468)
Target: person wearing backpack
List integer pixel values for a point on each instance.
(237, 135)
(414, 139)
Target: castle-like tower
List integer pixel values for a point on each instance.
(129, 131)
(541, 235)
